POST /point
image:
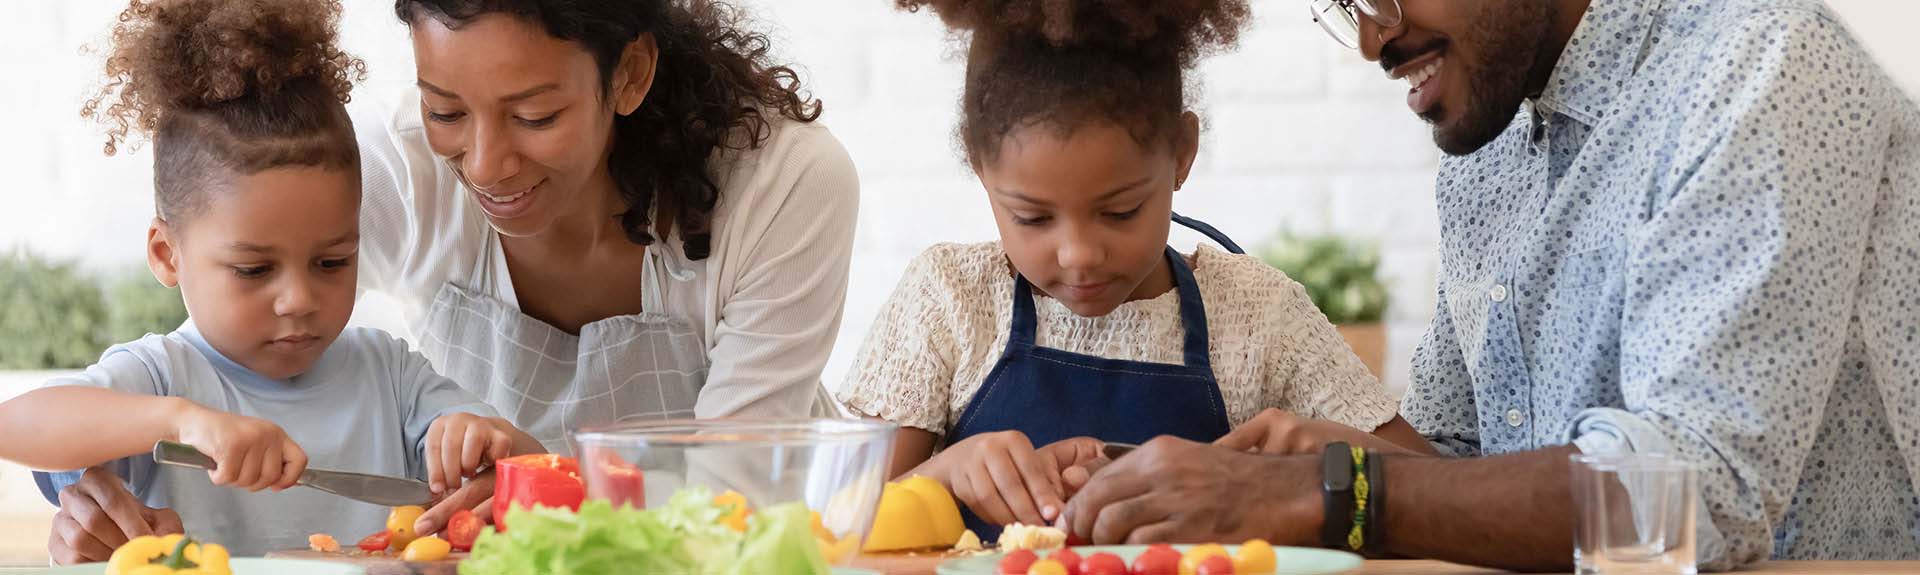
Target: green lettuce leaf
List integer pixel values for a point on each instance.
(598, 540)
(685, 537)
(780, 540)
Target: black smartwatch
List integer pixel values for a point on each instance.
(1336, 489)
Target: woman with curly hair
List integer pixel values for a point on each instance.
(1008, 362)
(599, 210)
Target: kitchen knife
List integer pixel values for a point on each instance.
(376, 489)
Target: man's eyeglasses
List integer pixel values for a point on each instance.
(1341, 18)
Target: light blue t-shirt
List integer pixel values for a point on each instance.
(364, 407)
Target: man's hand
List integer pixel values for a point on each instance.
(1173, 490)
(98, 514)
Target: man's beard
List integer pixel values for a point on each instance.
(1509, 38)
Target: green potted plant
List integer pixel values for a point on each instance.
(54, 316)
(50, 314)
(1342, 277)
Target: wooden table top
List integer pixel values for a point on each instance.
(926, 565)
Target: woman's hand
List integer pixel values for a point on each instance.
(1003, 479)
(98, 514)
(1279, 432)
(248, 452)
(475, 495)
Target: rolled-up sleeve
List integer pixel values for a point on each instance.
(1740, 287)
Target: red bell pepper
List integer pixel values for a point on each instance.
(530, 480)
(621, 483)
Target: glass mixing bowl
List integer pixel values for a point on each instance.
(837, 467)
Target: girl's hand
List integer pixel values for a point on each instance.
(248, 452)
(1279, 432)
(459, 443)
(1001, 477)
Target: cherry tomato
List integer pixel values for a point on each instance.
(376, 542)
(1068, 559)
(462, 529)
(1190, 563)
(427, 548)
(400, 526)
(1047, 567)
(1215, 565)
(1255, 558)
(1103, 564)
(1157, 560)
(1017, 563)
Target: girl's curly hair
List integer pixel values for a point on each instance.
(227, 87)
(1063, 63)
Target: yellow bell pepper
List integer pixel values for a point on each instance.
(737, 510)
(138, 553)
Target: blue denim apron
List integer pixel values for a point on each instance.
(1051, 395)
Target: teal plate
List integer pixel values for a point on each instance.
(241, 566)
(1291, 560)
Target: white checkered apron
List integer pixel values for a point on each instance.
(551, 383)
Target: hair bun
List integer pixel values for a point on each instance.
(171, 55)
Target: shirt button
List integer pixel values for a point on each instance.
(1498, 293)
(1514, 418)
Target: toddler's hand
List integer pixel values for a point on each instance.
(248, 452)
(459, 443)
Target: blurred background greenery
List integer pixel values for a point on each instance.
(1340, 274)
(53, 315)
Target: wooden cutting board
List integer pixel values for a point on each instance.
(377, 565)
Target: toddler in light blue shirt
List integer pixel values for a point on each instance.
(257, 193)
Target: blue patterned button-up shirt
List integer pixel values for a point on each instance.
(1703, 238)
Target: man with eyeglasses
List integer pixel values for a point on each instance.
(1688, 227)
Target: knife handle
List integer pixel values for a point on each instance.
(176, 453)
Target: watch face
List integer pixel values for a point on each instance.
(1336, 469)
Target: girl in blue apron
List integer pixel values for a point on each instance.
(1008, 363)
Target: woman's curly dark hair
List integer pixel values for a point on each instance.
(717, 88)
(227, 87)
(1063, 63)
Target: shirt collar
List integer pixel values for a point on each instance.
(1601, 57)
(249, 379)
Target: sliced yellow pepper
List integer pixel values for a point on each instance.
(737, 510)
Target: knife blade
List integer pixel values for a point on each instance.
(1115, 450)
(376, 489)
